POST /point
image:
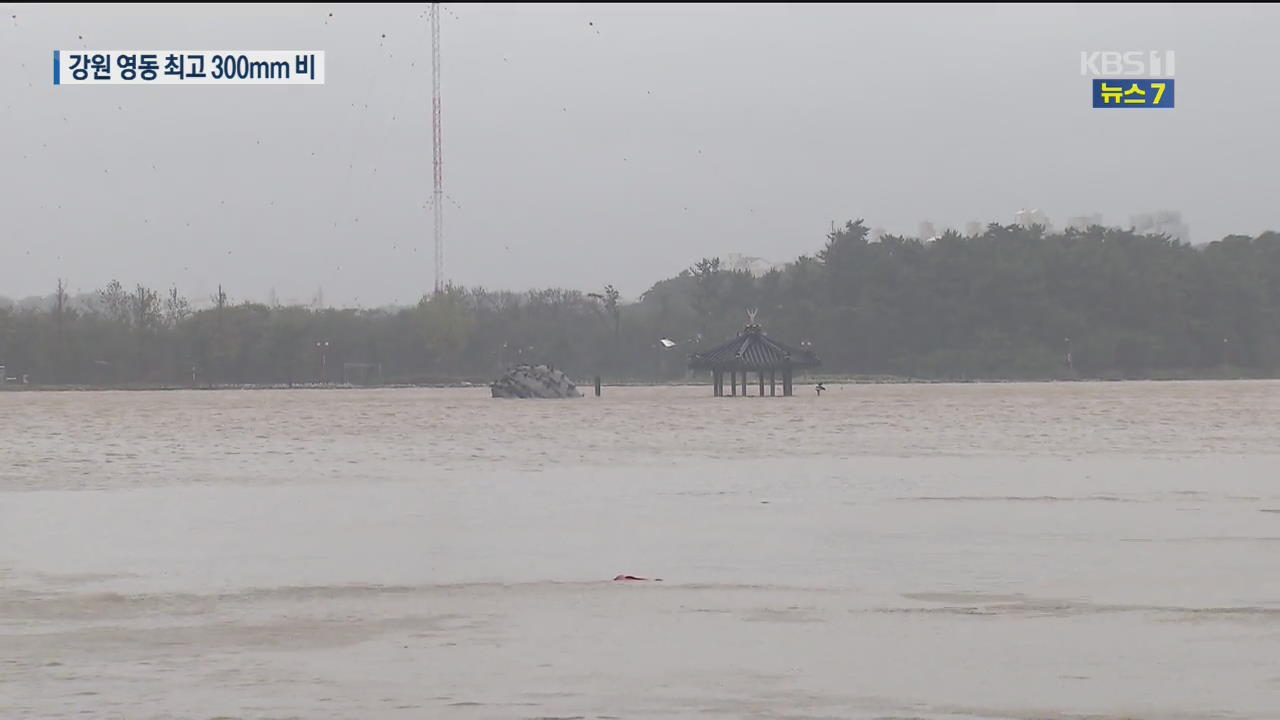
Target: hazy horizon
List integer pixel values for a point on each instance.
(586, 145)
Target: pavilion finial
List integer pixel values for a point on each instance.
(751, 315)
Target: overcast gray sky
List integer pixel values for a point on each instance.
(617, 144)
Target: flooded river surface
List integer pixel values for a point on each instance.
(1054, 551)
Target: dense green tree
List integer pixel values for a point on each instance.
(1012, 302)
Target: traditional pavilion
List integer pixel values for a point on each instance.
(752, 352)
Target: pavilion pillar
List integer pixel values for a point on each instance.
(773, 383)
(786, 382)
(761, 375)
(733, 380)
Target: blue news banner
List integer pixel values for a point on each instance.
(1133, 93)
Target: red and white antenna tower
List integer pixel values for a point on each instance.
(437, 162)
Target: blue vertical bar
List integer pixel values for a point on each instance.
(57, 68)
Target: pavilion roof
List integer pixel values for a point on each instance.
(752, 349)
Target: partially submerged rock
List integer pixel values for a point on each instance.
(528, 381)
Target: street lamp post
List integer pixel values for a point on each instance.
(807, 346)
(1070, 366)
(323, 347)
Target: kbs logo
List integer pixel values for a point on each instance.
(1133, 63)
(1130, 79)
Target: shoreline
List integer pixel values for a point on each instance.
(586, 387)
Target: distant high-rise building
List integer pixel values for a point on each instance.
(1027, 218)
(754, 265)
(1162, 222)
(1084, 222)
(876, 234)
(974, 228)
(927, 231)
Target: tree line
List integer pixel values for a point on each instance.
(1010, 303)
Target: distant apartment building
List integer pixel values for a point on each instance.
(1162, 222)
(754, 265)
(1027, 218)
(1084, 222)
(973, 228)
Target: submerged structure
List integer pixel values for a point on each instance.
(530, 381)
(752, 351)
